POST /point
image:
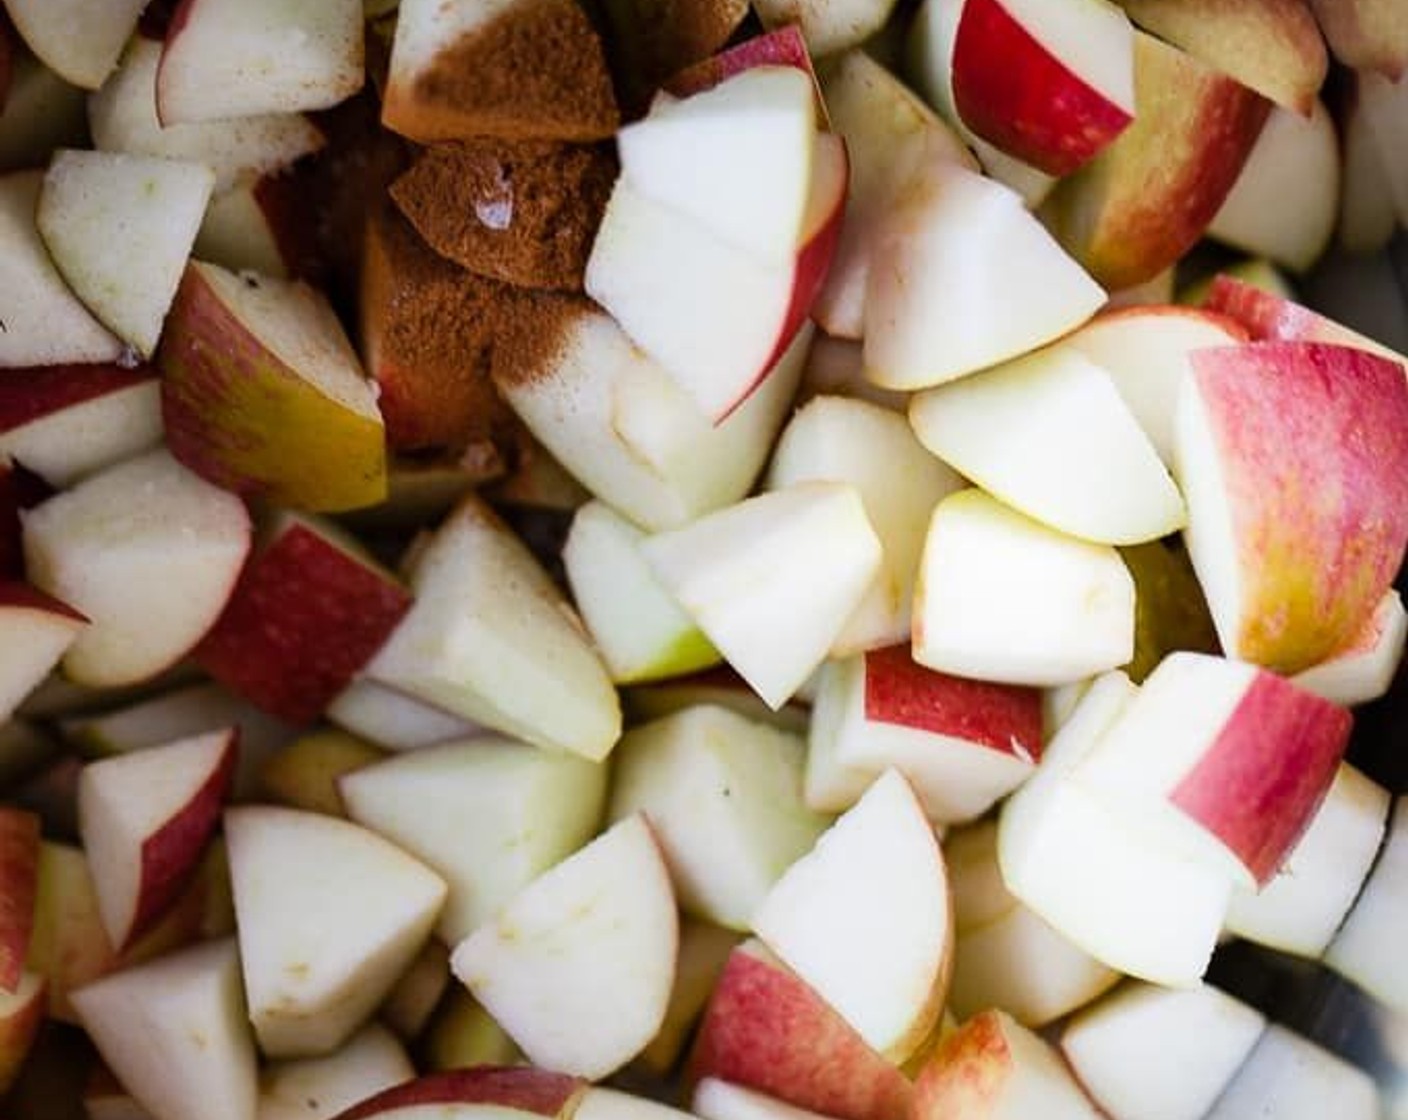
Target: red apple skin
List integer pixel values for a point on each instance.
(1031, 105)
(1329, 538)
(765, 1029)
(783, 47)
(303, 619)
(19, 866)
(898, 690)
(171, 856)
(967, 1073)
(1258, 786)
(517, 1087)
(24, 597)
(30, 394)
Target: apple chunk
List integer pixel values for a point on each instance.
(369, 1062)
(79, 40)
(263, 394)
(1364, 669)
(865, 918)
(598, 930)
(1293, 565)
(1291, 1077)
(482, 1092)
(35, 631)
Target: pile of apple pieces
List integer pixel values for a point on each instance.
(951, 633)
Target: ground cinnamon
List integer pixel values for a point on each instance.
(523, 213)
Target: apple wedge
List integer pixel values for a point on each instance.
(491, 639)
(724, 797)
(1291, 581)
(310, 610)
(260, 224)
(45, 323)
(369, 1062)
(721, 687)
(781, 46)
(64, 422)
(174, 1032)
(393, 719)
(145, 819)
(478, 1093)
(461, 1033)
(669, 280)
(1364, 669)
(21, 1017)
(599, 929)
(319, 949)
(938, 305)
(1288, 1076)
(1150, 1053)
(720, 1100)
(843, 440)
(865, 918)
(489, 815)
(251, 366)
(766, 1030)
(35, 632)
(148, 552)
(120, 229)
(79, 40)
(410, 1005)
(237, 58)
(1050, 435)
(1050, 84)
(1365, 35)
(772, 580)
(1003, 598)
(19, 876)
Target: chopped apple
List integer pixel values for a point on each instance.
(22, 1006)
(1003, 598)
(79, 40)
(766, 1030)
(320, 949)
(828, 28)
(35, 632)
(719, 686)
(1291, 1077)
(724, 796)
(148, 552)
(19, 877)
(260, 224)
(1365, 948)
(489, 815)
(1170, 613)
(1290, 581)
(704, 953)
(393, 719)
(1364, 34)
(599, 929)
(1364, 669)
(410, 1006)
(145, 819)
(251, 366)
(369, 1062)
(782, 46)
(120, 228)
(938, 303)
(479, 1093)
(1285, 202)
(772, 580)
(720, 1100)
(45, 323)
(234, 58)
(1150, 1053)
(490, 638)
(174, 1032)
(304, 773)
(461, 1033)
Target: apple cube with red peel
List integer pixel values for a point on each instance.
(1151, 1053)
(772, 580)
(64, 422)
(993, 1068)
(1145, 350)
(1051, 83)
(22, 1008)
(123, 118)
(477, 1093)
(937, 303)
(310, 609)
(1364, 669)
(1301, 908)
(668, 280)
(491, 638)
(19, 875)
(148, 552)
(1003, 598)
(1050, 435)
(1291, 1077)
(1365, 948)
(237, 58)
(598, 929)
(263, 394)
(782, 46)
(765, 1029)
(120, 228)
(175, 1033)
(145, 819)
(724, 796)
(489, 815)
(963, 744)
(866, 919)
(369, 1062)
(35, 632)
(851, 441)
(1138, 206)
(319, 949)
(1292, 567)
(45, 323)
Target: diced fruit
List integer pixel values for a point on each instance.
(1170, 613)
(704, 952)
(461, 1033)
(394, 720)
(35, 631)
(321, 1088)
(1289, 1076)
(827, 27)
(719, 1100)
(476, 1094)
(1364, 34)
(1363, 669)
(79, 40)
(304, 773)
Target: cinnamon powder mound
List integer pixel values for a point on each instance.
(522, 213)
(535, 72)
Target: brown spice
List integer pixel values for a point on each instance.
(523, 213)
(530, 338)
(536, 72)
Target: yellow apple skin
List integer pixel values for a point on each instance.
(1170, 612)
(243, 419)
